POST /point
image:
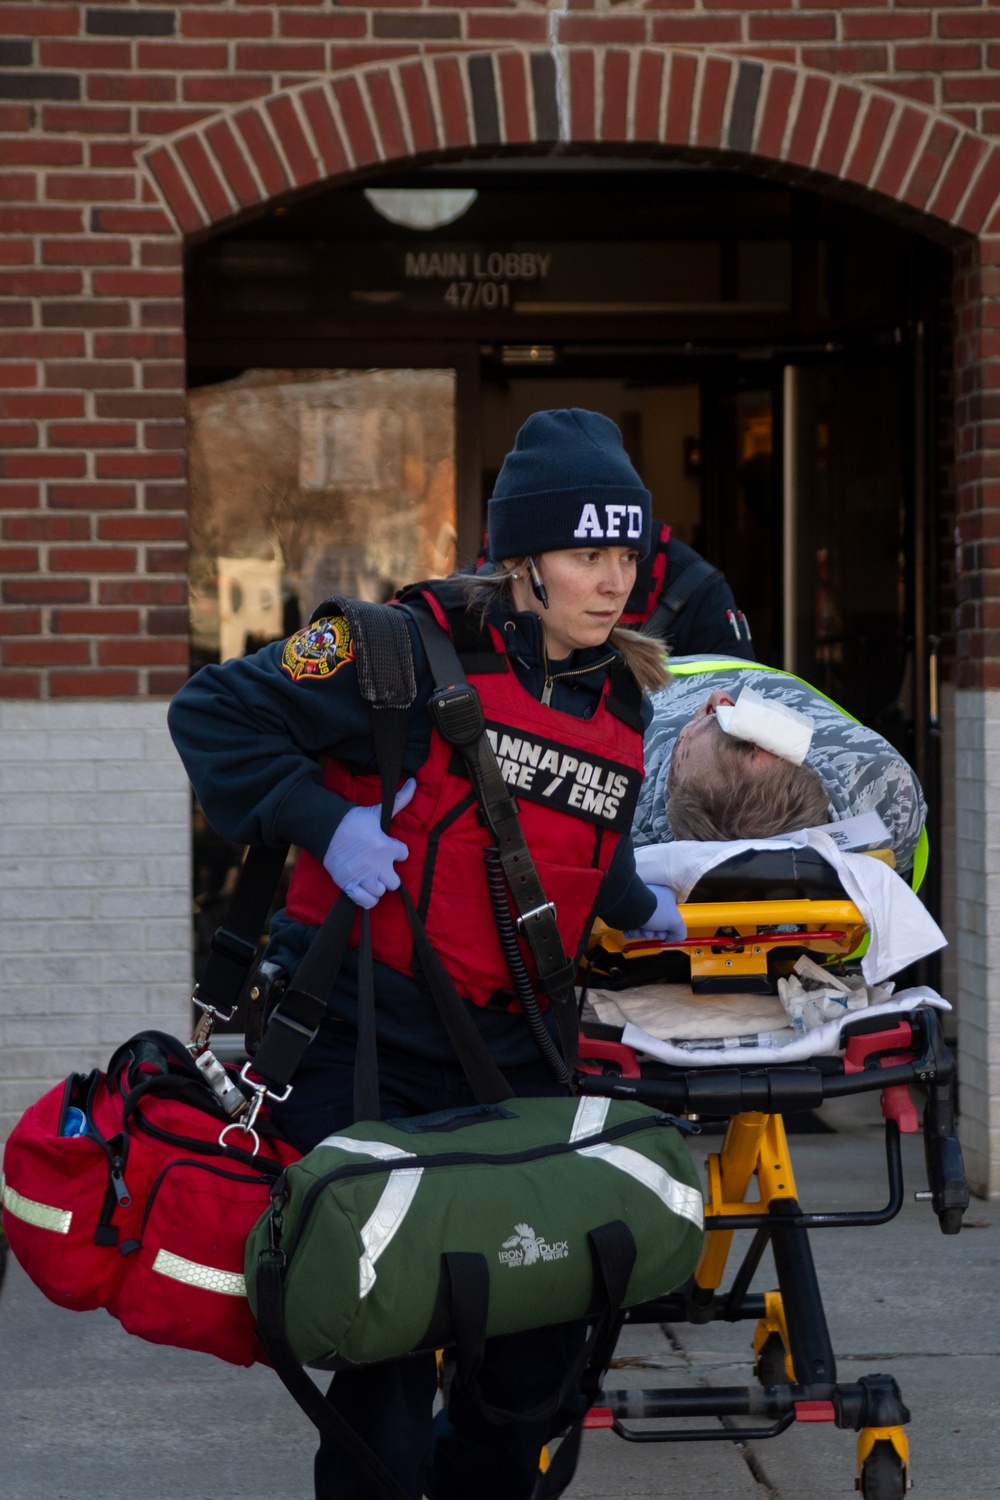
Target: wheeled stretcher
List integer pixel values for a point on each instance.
(748, 923)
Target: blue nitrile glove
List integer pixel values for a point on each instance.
(665, 922)
(361, 858)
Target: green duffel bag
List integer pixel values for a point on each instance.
(458, 1226)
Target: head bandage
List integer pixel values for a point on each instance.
(772, 726)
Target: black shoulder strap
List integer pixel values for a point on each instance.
(386, 677)
(625, 698)
(458, 714)
(470, 636)
(388, 683)
(236, 941)
(271, 1332)
(680, 593)
(466, 1285)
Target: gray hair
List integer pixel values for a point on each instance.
(741, 797)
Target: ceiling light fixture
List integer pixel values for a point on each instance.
(421, 208)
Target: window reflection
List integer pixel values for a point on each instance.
(307, 483)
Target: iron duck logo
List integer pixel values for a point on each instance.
(525, 1248)
(318, 650)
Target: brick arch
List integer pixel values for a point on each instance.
(701, 102)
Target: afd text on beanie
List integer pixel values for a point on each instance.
(567, 482)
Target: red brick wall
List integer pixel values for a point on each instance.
(93, 212)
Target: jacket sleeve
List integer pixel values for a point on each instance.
(624, 901)
(251, 734)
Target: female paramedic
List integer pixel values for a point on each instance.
(279, 749)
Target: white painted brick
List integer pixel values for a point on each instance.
(167, 806)
(17, 746)
(50, 968)
(24, 873)
(46, 843)
(106, 872)
(23, 811)
(41, 779)
(95, 747)
(84, 998)
(168, 937)
(95, 809)
(138, 838)
(154, 775)
(172, 872)
(27, 1000)
(21, 1031)
(53, 938)
(21, 903)
(94, 887)
(138, 968)
(128, 901)
(23, 1062)
(112, 1032)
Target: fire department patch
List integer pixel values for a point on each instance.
(318, 650)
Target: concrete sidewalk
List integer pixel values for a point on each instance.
(89, 1413)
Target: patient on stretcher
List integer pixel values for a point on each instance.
(749, 772)
(704, 781)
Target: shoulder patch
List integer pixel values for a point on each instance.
(318, 650)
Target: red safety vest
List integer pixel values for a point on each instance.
(576, 782)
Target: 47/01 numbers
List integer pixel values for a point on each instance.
(478, 294)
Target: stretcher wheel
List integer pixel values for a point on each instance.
(771, 1368)
(950, 1220)
(883, 1474)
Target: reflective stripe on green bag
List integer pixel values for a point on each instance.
(362, 1225)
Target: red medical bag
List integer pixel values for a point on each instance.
(146, 1209)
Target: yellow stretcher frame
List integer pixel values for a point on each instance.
(753, 1168)
(734, 938)
(755, 1151)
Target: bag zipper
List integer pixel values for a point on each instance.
(117, 1154)
(207, 1148)
(452, 1159)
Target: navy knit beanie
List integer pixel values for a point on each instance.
(568, 482)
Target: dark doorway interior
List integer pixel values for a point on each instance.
(792, 478)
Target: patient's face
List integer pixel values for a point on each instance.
(697, 746)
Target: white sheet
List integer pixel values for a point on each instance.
(902, 930)
(823, 1041)
(671, 1012)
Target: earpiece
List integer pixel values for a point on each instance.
(537, 586)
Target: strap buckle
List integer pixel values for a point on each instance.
(247, 1127)
(260, 1092)
(537, 914)
(202, 1034)
(225, 1016)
